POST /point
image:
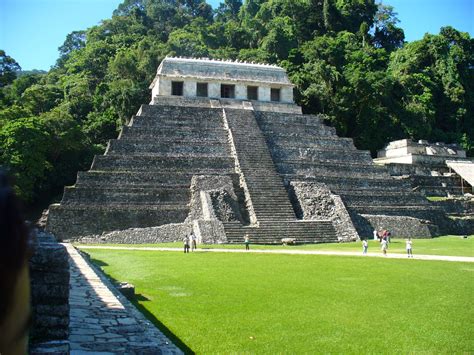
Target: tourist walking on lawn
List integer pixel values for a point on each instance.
(193, 241)
(186, 244)
(247, 242)
(384, 246)
(408, 246)
(365, 246)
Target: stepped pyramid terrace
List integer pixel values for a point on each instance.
(435, 169)
(223, 150)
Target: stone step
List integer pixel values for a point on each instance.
(439, 191)
(294, 140)
(443, 181)
(78, 220)
(178, 111)
(272, 232)
(270, 213)
(315, 169)
(267, 192)
(343, 183)
(209, 148)
(272, 226)
(274, 195)
(181, 101)
(213, 117)
(170, 124)
(384, 200)
(172, 134)
(271, 129)
(266, 116)
(162, 163)
(293, 125)
(126, 196)
(137, 178)
(338, 156)
(414, 210)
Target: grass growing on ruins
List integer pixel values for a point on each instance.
(257, 303)
(447, 245)
(437, 198)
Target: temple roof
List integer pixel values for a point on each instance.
(222, 70)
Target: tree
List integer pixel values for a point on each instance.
(41, 98)
(228, 10)
(386, 34)
(434, 78)
(8, 69)
(23, 149)
(74, 41)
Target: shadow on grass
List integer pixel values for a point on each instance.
(97, 262)
(138, 297)
(177, 341)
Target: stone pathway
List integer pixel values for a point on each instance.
(102, 321)
(299, 252)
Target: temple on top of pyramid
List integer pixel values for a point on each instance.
(220, 79)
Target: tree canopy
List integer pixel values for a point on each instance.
(347, 58)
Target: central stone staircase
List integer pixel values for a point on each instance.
(271, 211)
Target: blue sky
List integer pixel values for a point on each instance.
(32, 30)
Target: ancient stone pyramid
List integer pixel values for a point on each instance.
(266, 173)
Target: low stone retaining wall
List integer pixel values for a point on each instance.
(49, 273)
(162, 234)
(401, 226)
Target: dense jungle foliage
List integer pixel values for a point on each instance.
(348, 59)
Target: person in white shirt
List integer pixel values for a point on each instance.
(247, 242)
(409, 248)
(365, 246)
(186, 244)
(384, 246)
(193, 241)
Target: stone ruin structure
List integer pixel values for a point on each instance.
(427, 166)
(435, 170)
(222, 149)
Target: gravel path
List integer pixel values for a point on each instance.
(298, 252)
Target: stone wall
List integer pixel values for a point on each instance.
(210, 232)
(461, 212)
(49, 272)
(206, 231)
(407, 169)
(213, 197)
(400, 226)
(161, 234)
(314, 201)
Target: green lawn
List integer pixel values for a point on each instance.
(259, 303)
(447, 245)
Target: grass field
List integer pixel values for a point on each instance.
(257, 303)
(446, 245)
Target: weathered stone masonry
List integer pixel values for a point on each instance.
(228, 166)
(49, 273)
